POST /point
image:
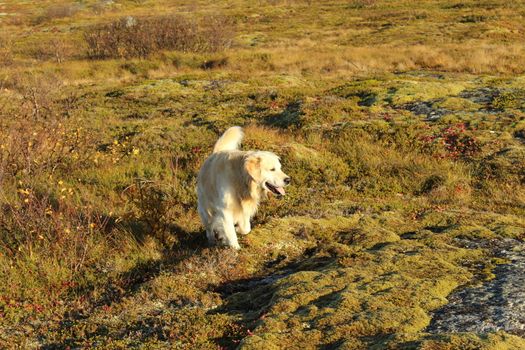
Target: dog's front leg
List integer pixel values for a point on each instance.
(229, 232)
(244, 225)
(222, 231)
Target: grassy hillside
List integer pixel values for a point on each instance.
(402, 124)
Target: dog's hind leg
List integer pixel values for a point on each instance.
(206, 222)
(205, 218)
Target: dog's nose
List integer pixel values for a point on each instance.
(287, 180)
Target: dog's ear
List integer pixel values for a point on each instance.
(252, 165)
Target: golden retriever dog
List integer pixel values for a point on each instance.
(230, 185)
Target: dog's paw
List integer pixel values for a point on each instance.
(235, 246)
(243, 229)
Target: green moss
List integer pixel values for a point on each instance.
(458, 104)
(424, 90)
(361, 299)
(509, 100)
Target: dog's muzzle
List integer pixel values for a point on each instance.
(279, 191)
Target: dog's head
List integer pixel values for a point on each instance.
(264, 168)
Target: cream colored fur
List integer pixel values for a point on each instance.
(230, 185)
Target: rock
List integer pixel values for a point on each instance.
(426, 108)
(498, 304)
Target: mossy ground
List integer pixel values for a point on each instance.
(401, 124)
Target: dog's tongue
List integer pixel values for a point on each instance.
(280, 190)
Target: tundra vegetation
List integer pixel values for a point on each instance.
(402, 124)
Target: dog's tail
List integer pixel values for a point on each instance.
(230, 140)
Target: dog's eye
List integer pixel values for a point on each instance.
(272, 169)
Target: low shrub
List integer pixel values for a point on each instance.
(455, 142)
(57, 12)
(57, 49)
(37, 95)
(139, 37)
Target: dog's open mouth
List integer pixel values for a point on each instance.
(279, 191)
